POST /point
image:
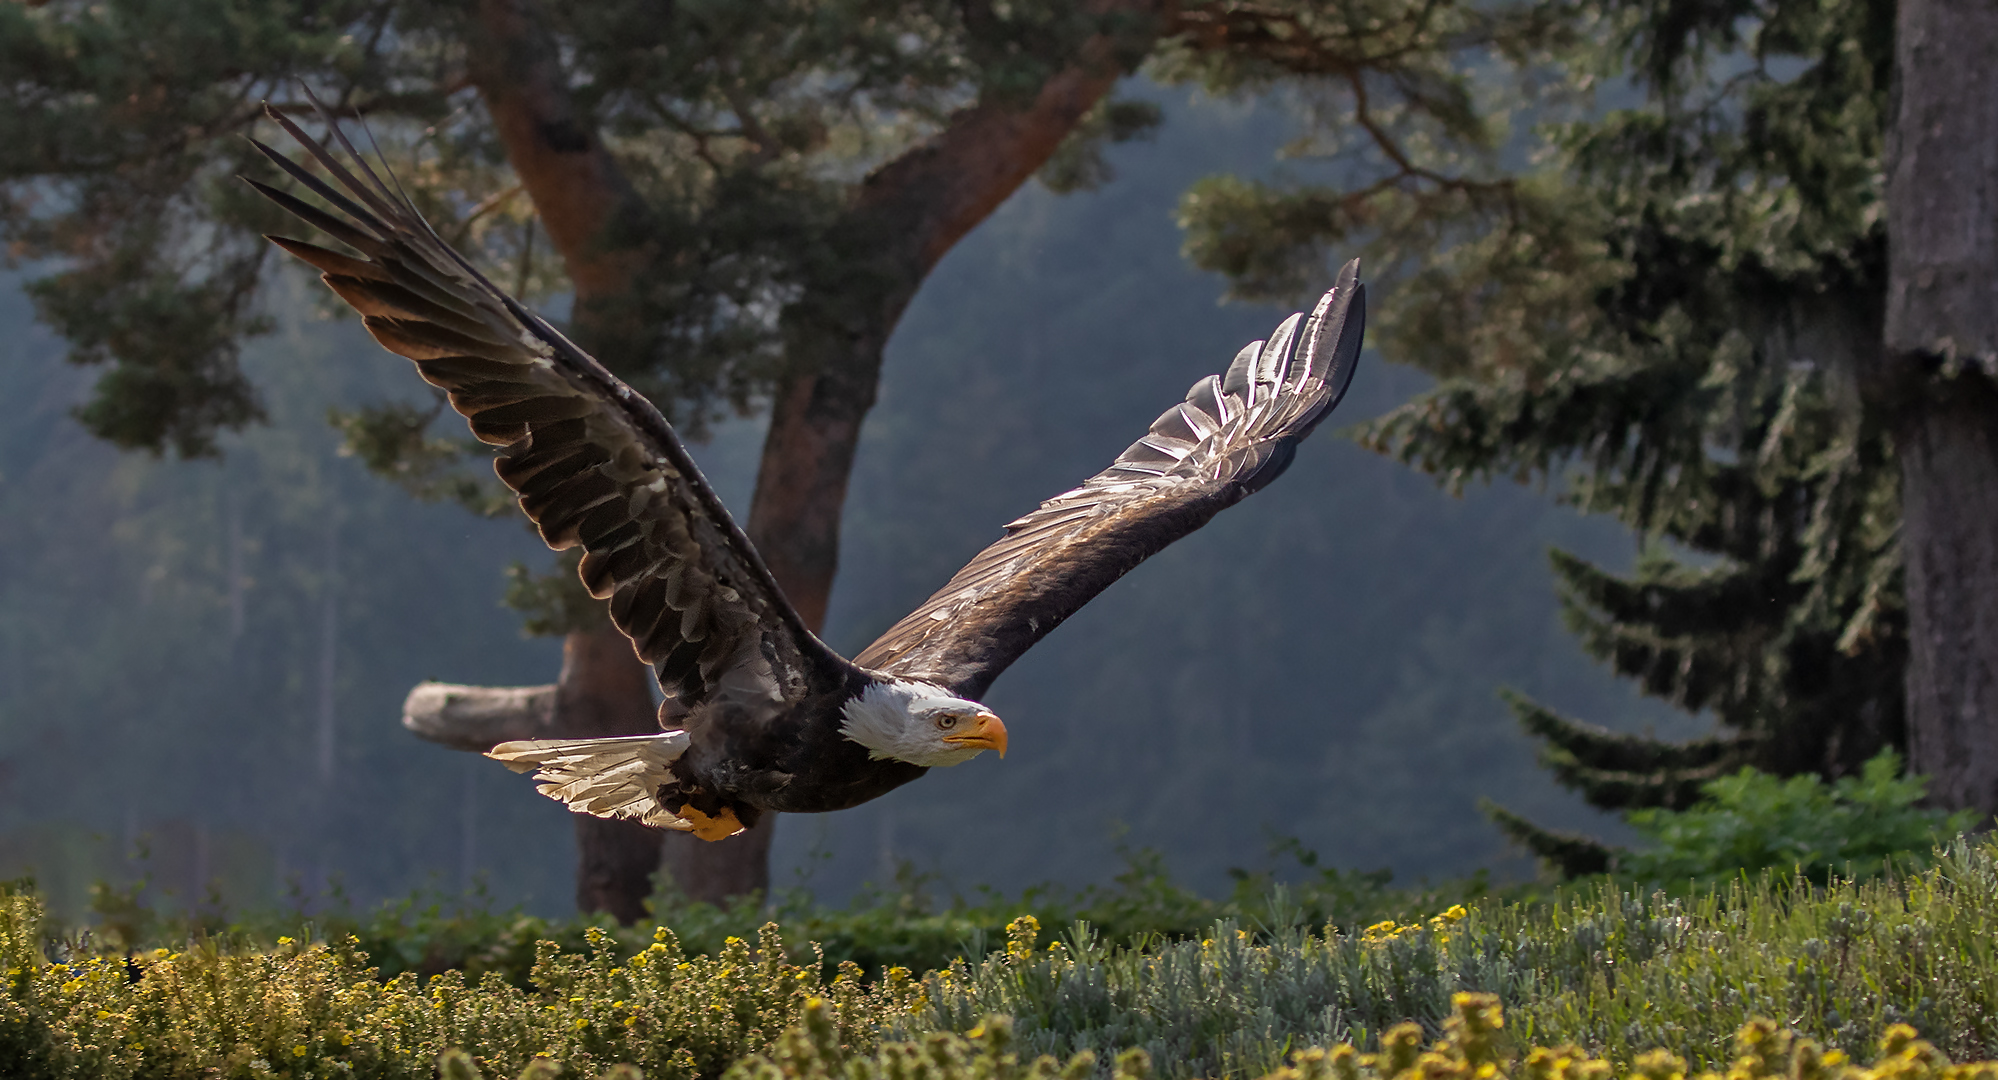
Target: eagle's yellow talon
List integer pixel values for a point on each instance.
(720, 827)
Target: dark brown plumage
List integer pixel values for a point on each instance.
(765, 716)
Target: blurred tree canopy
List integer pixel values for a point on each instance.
(733, 193)
(1663, 309)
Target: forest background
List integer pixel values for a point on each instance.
(203, 661)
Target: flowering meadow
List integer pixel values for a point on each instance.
(1596, 982)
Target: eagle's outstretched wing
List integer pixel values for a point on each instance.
(593, 462)
(1234, 434)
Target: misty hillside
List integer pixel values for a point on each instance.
(205, 660)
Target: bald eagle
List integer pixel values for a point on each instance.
(759, 714)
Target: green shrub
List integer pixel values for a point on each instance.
(1753, 821)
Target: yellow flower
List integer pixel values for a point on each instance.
(1382, 931)
(582, 1022)
(298, 1051)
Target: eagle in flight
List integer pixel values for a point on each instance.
(760, 715)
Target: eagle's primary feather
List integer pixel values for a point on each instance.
(765, 717)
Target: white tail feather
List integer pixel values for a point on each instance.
(610, 778)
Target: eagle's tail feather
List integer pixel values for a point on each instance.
(610, 778)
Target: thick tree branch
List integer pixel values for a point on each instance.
(902, 221)
(588, 206)
(478, 718)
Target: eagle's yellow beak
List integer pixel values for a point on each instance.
(986, 733)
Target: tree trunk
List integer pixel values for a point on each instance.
(1941, 351)
(903, 219)
(590, 212)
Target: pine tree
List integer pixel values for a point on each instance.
(1670, 318)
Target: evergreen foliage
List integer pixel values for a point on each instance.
(743, 128)
(1668, 317)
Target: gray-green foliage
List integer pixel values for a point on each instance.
(1618, 972)
(812, 1051)
(1475, 1045)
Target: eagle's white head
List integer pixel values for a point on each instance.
(921, 724)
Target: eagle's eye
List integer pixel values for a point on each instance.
(946, 721)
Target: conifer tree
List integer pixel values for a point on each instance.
(1672, 319)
